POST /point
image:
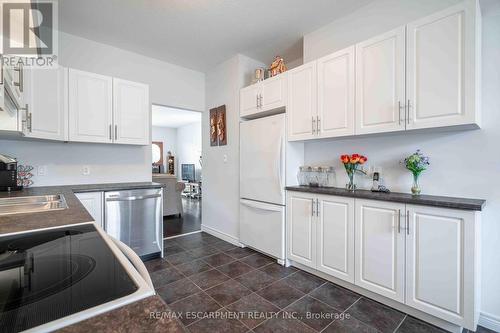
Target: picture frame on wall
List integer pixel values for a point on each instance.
(218, 129)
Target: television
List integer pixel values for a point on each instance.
(188, 172)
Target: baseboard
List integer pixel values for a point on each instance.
(222, 235)
(489, 321)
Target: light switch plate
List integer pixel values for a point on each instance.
(42, 170)
(86, 170)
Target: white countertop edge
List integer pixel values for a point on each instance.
(144, 290)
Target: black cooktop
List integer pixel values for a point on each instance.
(47, 275)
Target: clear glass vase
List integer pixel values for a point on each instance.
(350, 186)
(415, 189)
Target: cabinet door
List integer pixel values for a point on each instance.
(441, 69)
(249, 100)
(440, 264)
(302, 102)
(131, 112)
(90, 107)
(301, 229)
(274, 93)
(336, 94)
(380, 83)
(380, 248)
(93, 203)
(46, 95)
(335, 237)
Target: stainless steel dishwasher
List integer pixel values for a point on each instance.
(135, 218)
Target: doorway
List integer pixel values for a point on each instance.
(177, 163)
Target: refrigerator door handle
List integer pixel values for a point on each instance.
(261, 206)
(281, 171)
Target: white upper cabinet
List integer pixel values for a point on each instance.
(441, 69)
(301, 229)
(336, 85)
(380, 83)
(380, 248)
(263, 97)
(90, 107)
(273, 95)
(440, 265)
(249, 100)
(46, 96)
(335, 237)
(131, 112)
(302, 102)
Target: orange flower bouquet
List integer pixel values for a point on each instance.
(351, 165)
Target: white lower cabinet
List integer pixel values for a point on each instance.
(93, 203)
(423, 257)
(335, 237)
(380, 248)
(301, 229)
(441, 265)
(321, 233)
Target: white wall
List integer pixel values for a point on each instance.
(168, 136)
(221, 178)
(463, 163)
(189, 147)
(374, 18)
(169, 85)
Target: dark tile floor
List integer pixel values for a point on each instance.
(217, 287)
(190, 221)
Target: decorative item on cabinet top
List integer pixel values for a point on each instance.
(277, 66)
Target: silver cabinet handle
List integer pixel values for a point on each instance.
(313, 125)
(261, 100)
(1, 69)
(110, 133)
(317, 207)
(134, 198)
(313, 213)
(116, 132)
(257, 101)
(318, 126)
(408, 106)
(399, 112)
(408, 222)
(29, 118)
(20, 84)
(399, 221)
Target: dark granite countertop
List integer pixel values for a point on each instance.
(424, 200)
(135, 317)
(75, 213)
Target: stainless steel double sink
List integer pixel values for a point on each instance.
(32, 204)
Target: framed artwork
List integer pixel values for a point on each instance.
(213, 127)
(218, 129)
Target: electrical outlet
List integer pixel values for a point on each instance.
(225, 158)
(42, 170)
(86, 170)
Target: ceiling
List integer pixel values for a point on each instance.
(200, 34)
(163, 116)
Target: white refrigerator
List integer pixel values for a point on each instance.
(262, 184)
